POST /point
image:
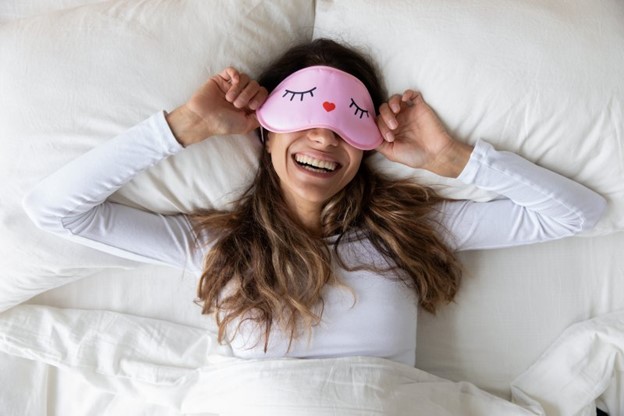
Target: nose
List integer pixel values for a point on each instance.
(325, 137)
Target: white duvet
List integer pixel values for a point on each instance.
(182, 369)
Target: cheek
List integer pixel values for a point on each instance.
(278, 165)
(354, 168)
(356, 158)
(276, 155)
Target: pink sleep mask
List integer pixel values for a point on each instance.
(322, 97)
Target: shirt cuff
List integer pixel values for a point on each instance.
(477, 158)
(162, 132)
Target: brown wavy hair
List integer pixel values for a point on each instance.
(279, 268)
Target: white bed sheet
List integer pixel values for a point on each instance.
(180, 367)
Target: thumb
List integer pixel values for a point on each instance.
(384, 148)
(252, 122)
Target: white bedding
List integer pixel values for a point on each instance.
(183, 369)
(70, 79)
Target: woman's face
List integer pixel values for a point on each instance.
(313, 165)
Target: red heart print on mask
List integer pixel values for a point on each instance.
(329, 106)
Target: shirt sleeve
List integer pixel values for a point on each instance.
(72, 201)
(536, 204)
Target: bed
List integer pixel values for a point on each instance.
(535, 330)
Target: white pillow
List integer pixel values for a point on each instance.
(76, 78)
(543, 79)
(19, 9)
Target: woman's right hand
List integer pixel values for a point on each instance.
(225, 104)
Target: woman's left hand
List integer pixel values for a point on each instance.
(414, 136)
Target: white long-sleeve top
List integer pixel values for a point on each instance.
(537, 205)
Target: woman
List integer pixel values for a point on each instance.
(319, 245)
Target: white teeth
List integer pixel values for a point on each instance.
(323, 164)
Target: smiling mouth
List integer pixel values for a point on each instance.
(316, 165)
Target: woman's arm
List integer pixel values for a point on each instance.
(538, 204)
(72, 201)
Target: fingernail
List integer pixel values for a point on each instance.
(389, 137)
(393, 124)
(395, 107)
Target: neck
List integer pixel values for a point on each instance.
(307, 213)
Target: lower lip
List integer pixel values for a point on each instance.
(313, 173)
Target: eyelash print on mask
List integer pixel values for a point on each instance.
(358, 109)
(301, 94)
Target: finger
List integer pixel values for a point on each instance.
(225, 78)
(247, 94)
(421, 99)
(259, 98)
(230, 75)
(409, 96)
(395, 103)
(236, 87)
(385, 131)
(388, 116)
